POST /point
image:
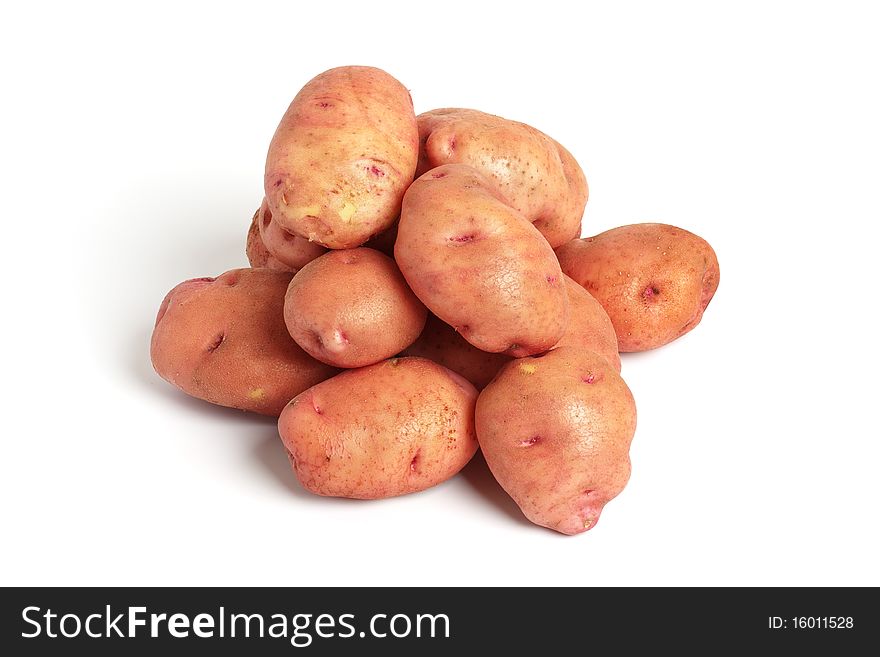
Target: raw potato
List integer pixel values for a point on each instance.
(342, 157)
(401, 264)
(589, 326)
(223, 340)
(392, 428)
(556, 431)
(654, 280)
(479, 265)
(257, 254)
(533, 172)
(440, 343)
(291, 250)
(352, 308)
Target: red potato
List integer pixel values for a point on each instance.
(536, 175)
(291, 250)
(342, 157)
(479, 265)
(396, 427)
(352, 308)
(589, 326)
(654, 280)
(223, 340)
(556, 431)
(440, 343)
(257, 254)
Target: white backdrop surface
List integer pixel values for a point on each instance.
(133, 142)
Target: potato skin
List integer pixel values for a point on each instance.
(352, 308)
(537, 176)
(291, 250)
(223, 340)
(395, 427)
(257, 254)
(589, 326)
(556, 431)
(342, 157)
(479, 265)
(654, 280)
(440, 343)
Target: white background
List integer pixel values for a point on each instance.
(133, 143)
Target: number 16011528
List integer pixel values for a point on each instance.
(810, 623)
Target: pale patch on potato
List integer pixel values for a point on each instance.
(306, 210)
(347, 212)
(528, 368)
(257, 394)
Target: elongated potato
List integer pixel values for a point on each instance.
(223, 340)
(395, 427)
(441, 343)
(654, 280)
(480, 265)
(292, 250)
(342, 157)
(537, 176)
(589, 326)
(352, 308)
(556, 431)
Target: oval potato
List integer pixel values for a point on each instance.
(654, 280)
(396, 427)
(536, 175)
(342, 157)
(352, 308)
(556, 431)
(479, 265)
(223, 340)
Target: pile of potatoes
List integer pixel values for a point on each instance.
(419, 290)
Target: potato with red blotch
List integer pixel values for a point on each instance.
(654, 280)
(257, 254)
(342, 157)
(589, 326)
(556, 431)
(535, 173)
(289, 249)
(351, 308)
(395, 427)
(223, 340)
(440, 343)
(479, 264)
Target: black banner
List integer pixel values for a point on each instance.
(339, 621)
